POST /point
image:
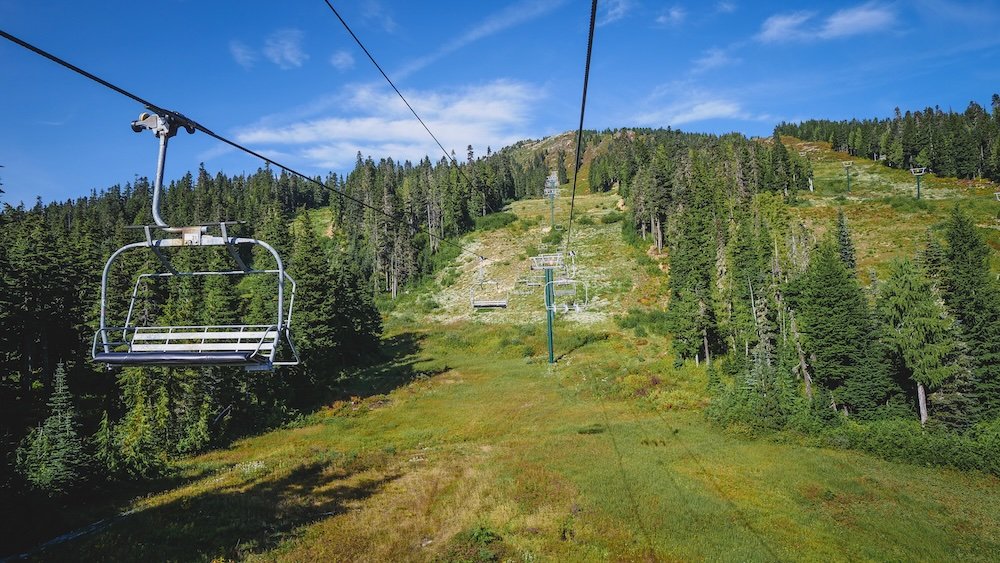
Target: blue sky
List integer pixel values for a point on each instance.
(285, 78)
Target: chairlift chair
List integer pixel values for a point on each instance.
(255, 347)
(568, 295)
(488, 294)
(547, 261)
(525, 285)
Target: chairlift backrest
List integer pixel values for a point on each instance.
(547, 261)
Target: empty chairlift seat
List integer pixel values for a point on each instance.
(222, 345)
(488, 295)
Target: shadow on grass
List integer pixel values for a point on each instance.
(29, 518)
(227, 523)
(399, 364)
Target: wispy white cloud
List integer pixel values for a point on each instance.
(684, 102)
(858, 20)
(866, 18)
(513, 15)
(284, 48)
(242, 54)
(377, 123)
(713, 58)
(613, 11)
(783, 27)
(374, 11)
(966, 13)
(342, 60)
(672, 16)
(725, 7)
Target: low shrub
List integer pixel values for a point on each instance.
(553, 237)
(612, 217)
(494, 221)
(907, 204)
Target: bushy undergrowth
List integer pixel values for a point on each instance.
(907, 204)
(642, 322)
(495, 221)
(612, 217)
(553, 237)
(776, 409)
(481, 543)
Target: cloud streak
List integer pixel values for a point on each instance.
(683, 102)
(672, 17)
(783, 27)
(284, 48)
(615, 10)
(242, 54)
(713, 58)
(511, 16)
(377, 123)
(342, 60)
(866, 18)
(800, 26)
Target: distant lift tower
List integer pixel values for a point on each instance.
(847, 168)
(552, 193)
(549, 263)
(918, 172)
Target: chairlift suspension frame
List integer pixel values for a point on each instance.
(251, 346)
(487, 293)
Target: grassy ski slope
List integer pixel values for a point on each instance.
(465, 445)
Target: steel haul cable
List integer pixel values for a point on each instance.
(579, 132)
(401, 97)
(187, 120)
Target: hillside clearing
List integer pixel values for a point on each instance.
(466, 445)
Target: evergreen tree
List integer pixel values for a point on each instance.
(844, 243)
(692, 267)
(138, 452)
(917, 329)
(972, 296)
(314, 331)
(837, 329)
(51, 457)
(105, 448)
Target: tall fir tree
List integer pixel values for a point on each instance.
(973, 297)
(837, 330)
(917, 329)
(844, 243)
(51, 457)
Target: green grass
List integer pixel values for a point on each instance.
(556, 463)
(465, 444)
(885, 218)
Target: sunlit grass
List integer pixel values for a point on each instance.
(466, 444)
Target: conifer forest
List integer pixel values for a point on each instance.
(769, 334)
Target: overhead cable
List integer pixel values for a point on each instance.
(401, 97)
(579, 132)
(181, 118)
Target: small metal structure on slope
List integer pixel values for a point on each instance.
(487, 293)
(917, 173)
(255, 347)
